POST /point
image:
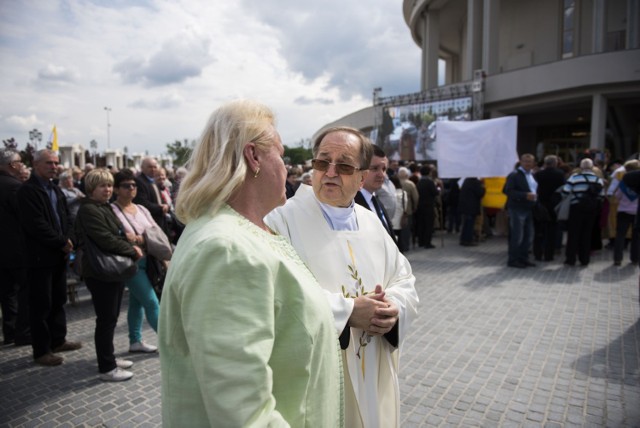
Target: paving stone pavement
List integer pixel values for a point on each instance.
(549, 346)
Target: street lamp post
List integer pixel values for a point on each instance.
(108, 109)
(35, 136)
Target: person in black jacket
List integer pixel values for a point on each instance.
(47, 227)
(14, 290)
(149, 195)
(549, 179)
(426, 213)
(520, 189)
(97, 222)
(372, 183)
(469, 207)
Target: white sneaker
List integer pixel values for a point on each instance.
(142, 347)
(116, 375)
(123, 364)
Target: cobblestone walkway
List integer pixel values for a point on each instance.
(493, 346)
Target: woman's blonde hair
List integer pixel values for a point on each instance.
(217, 167)
(95, 178)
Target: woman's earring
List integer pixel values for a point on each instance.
(255, 175)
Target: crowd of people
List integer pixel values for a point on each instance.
(49, 217)
(601, 207)
(288, 295)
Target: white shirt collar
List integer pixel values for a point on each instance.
(339, 218)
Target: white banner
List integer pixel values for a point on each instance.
(481, 148)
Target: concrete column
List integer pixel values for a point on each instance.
(597, 42)
(473, 54)
(490, 36)
(66, 156)
(430, 49)
(81, 160)
(598, 121)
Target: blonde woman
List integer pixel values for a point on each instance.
(246, 335)
(97, 222)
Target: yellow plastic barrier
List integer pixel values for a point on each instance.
(494, 198)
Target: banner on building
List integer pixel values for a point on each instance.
(408, 132)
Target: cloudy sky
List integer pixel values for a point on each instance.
(162, 67)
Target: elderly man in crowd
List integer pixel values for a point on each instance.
(14, 291)
(368, 281)
(520, 189)
(404, 241)
(586, 191)
(549, 179)
(47, 227)
(149, 193)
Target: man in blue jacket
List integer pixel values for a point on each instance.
(520, 189)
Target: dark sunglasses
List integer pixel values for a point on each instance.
(128, 186)
(341, 168)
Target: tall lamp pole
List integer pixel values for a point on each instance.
(108, 109)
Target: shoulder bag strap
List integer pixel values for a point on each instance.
(126, 218)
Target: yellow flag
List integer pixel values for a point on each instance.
(54, 139)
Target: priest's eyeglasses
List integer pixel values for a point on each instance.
(341, 168)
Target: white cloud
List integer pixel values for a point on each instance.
(160, 103)
(57, 73)
(22, 123)
(180, 57)
(163, 67)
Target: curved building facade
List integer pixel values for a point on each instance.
(569, 69)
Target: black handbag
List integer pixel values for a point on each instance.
(540, 212)
(156, 272)
(109, 267)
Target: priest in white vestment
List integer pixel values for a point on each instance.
(368, 281)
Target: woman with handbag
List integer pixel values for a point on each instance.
(136, 220)
(99, 230)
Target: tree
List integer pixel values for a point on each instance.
(297, 155)
(10, 144)
(180, 151)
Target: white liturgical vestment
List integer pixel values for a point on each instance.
(347, 264)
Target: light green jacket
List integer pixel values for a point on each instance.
(246, 335)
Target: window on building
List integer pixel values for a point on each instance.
(568, 28)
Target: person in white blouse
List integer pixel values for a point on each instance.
(142, 297)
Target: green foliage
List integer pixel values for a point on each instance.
(180, 151)
(297, 155)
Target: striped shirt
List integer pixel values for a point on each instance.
(580, 183)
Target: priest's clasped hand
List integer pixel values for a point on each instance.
(385, 317)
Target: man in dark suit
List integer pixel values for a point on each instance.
(470, 207)
(549, 179)
(149, 195)
(520, 189)
(14, 290)
(426, 213)
(373, 182)
(48, 231)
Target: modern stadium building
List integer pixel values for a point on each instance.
(568, 69)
